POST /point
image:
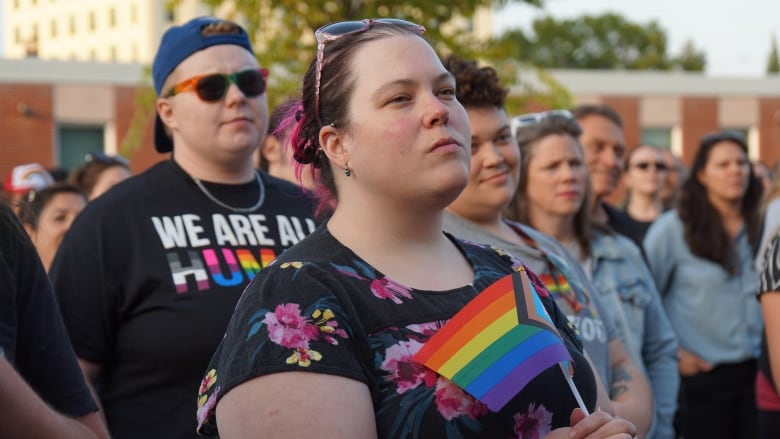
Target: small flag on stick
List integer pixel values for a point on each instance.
(498, 343)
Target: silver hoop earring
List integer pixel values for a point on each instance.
(347, 171)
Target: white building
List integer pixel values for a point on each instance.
(124, 31)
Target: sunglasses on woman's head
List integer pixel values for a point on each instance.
(212, 88)
(534, 118)
(720, 136)
(334, 31)
(103, 158)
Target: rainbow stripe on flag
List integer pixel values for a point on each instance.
(497, 343)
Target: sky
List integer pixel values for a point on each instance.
(736, 35)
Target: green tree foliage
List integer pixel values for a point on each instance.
(773, 63)
(607, 41)
(690, 59)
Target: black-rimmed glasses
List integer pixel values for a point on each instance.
(334, 31)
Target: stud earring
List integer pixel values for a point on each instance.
(347, 171)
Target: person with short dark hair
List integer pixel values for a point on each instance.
(644, 177)
(499, 169)
(604, 146)
(151, 271)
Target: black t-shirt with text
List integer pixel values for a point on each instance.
(148, 277)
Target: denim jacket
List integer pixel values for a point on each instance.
(622, 278)
(715, 314)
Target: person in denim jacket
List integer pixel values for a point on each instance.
(477, 215)
(553, 197)
(701, 256)
(621, 276)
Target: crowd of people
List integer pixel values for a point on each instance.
(281, 273)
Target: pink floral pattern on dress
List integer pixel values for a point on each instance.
(288, 328)
(206, 404)
(405, 373)
(533, 424)
(381, 287)
(452, 401)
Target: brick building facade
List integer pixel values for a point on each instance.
(43, 103)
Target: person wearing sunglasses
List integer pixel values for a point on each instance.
(99, 173)
(324, 340)
(643, 179)
(150, 272)
(702, 258)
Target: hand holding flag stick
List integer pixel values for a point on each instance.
(498, 343)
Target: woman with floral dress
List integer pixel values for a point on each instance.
(323, 342)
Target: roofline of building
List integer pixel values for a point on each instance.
(577, 82)
(652, 83)
(36, 71)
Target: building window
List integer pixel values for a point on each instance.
(112, 53)
(16, 4)
(72, 25)
(76, 141)
(660, 137)
(17, 35)
(111, 17)
(92, 24)
(53, 28)
(133, 14)
(742, 131)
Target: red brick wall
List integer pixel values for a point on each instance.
(144, 155)
(769, 131)
(628, 109)
(699, 117)
(26, 137)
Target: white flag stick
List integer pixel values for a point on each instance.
(574, 390)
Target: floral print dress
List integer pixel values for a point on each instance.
(320, 308)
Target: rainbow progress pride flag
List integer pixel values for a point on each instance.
(497, 343)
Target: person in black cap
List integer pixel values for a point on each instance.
(150, 272)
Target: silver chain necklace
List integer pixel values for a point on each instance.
(260, 196)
